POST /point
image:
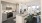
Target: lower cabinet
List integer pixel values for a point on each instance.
(4, 16)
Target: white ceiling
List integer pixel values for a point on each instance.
(18, 1)
(29, 2)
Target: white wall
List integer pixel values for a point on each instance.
(5, 4)
(35, 2)
(0, 13)
(41, 11)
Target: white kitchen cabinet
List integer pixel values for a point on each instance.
(4, 16)
(20, 18)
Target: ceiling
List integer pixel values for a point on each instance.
(29, 2)
(18, 1)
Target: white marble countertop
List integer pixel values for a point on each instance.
(23, 15)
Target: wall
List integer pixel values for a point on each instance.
(41, 11)
(0, 13)
(29, 4)
(17, 10)
(35, 2)
(5, 4)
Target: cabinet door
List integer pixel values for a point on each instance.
(4, 17)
